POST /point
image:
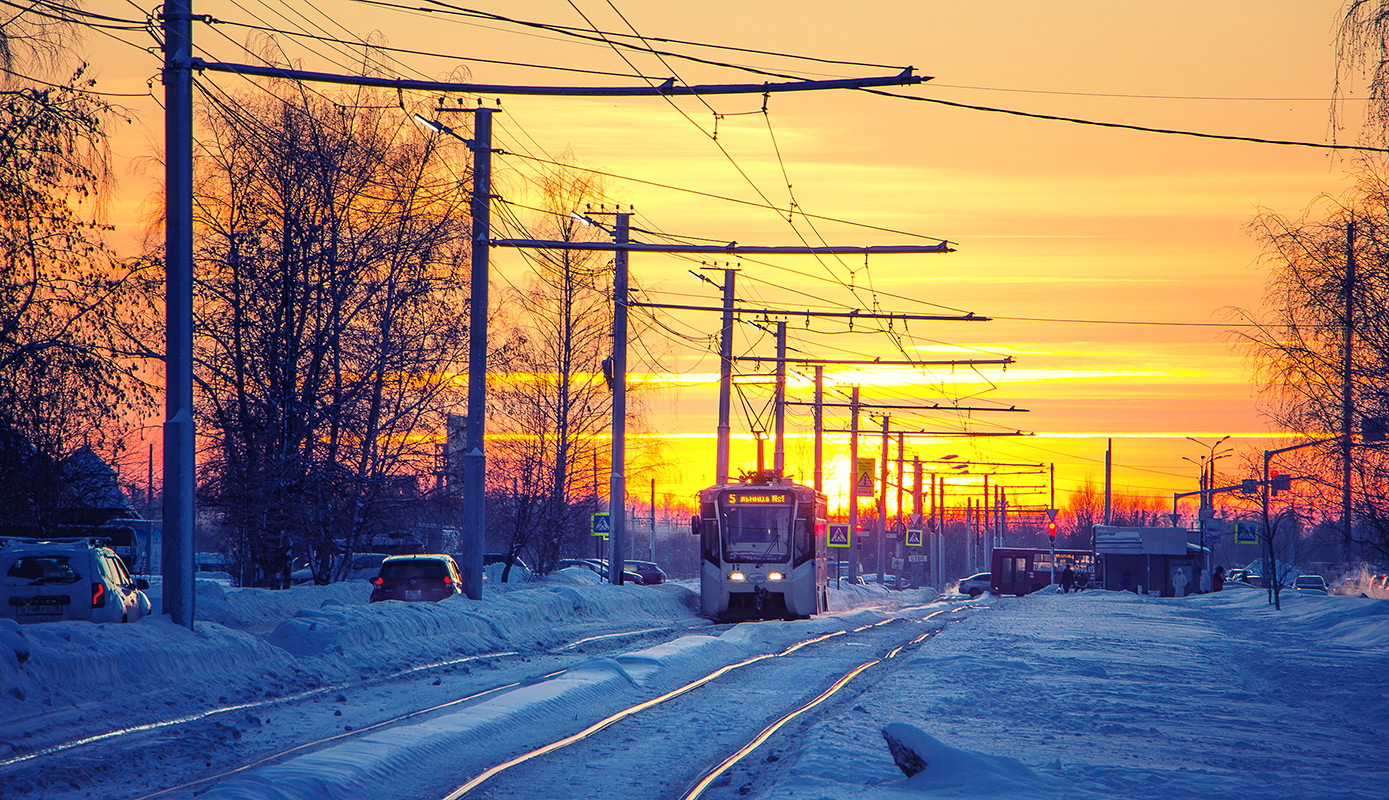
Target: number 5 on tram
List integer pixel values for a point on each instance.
(762, 550)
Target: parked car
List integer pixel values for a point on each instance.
(1311, 584)
(428, 577)
(488, 559)
(650, 573)
(976, 584)
(601, 567)
(50, 580)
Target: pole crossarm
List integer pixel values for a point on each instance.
(732, 248)
(771, 312)
(892, 407)
(945, 433)
(883, 362)
(665, 89)
(1312, 443)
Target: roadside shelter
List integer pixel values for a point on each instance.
(1150, 557)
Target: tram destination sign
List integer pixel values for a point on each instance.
(759, 499)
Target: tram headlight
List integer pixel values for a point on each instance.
(737, 576)
(775, 576)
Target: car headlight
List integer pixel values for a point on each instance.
(737, 576)
(774, 576)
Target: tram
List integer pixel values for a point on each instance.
(762, 550)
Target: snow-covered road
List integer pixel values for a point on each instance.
(311, 693)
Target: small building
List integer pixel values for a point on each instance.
(1151, 557)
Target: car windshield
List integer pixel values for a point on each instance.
(405, 570)
(40, 570)
(757, 533)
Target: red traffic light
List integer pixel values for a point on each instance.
(1051, 529)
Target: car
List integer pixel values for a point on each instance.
(51, 580)
(650, 573)
(601, 567)
(976, 584)
(417, 578)
(1312, 584)
(488, 559)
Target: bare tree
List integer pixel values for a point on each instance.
(1296, 342)
(330, 234)
(71, 314)
(554, 404)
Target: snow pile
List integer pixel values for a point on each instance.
(934, 767)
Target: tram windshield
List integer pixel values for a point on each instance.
(757, 527)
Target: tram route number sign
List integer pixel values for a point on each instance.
(600, 524)
(839, 535)
(913, 537)
(863, 477)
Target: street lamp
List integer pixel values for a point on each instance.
(1206, 485)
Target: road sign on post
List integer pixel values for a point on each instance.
(600, 524)
(913, 537)
(863, 478)
(839, 535)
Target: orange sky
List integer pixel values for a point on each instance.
(1051, 220)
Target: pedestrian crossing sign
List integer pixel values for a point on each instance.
(913, 537)
(839, 535)
(600, 524)
(863, 478)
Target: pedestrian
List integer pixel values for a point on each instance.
(1126, 582)
(1205, 581)
(1082, 581)
(1179, 582)
(1068, 577)
(1218, 580)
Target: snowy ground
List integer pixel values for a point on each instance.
(1093, 695)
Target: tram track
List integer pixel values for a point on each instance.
(193, 724)
(708, 777)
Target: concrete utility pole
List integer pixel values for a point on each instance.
(819, 427)
(475, 457)
(1108, 474)
(617, 496)
(779, 451)
(180, 464)
(653, 519)
(917, 520)
(725, 378)
(882, 504)
(853, 487)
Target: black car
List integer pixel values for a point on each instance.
(429, 577)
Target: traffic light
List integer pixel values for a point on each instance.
(1281, 483)
(1051, 530)
(1249, 486)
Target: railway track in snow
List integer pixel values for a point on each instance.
(659, 732)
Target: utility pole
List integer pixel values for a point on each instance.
(1108, 473)
(474, 457)
(653, 519)
(917, 519)
(617, 497)
(725, 377)
(1347, 389)
(180, 477)
(779, 450)
(853, 488)
(819, 427)
(882, 504)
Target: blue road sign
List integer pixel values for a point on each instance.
(913, 537)
(600, 525)
(839, 535)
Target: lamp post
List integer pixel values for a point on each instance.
(1207, 499)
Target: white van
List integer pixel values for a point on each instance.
(49, 580)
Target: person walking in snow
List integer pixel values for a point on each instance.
(1218, 580)
(1126, 582)
(1179, 582)
(1205, 581)
(1068, 577)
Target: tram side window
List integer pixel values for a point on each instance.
(709, 541)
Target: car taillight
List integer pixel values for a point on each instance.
(447, 579)
(98, 595)
(379, 581)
